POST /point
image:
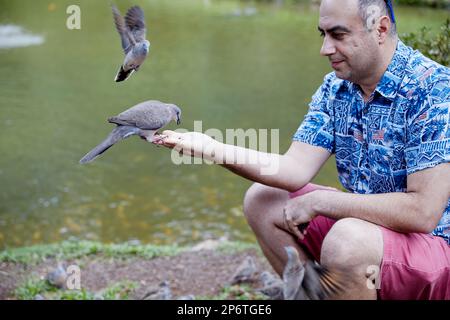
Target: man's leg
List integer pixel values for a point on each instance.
(349, 245)
(263, 208)
(354, 247)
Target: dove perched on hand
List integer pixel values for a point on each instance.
(310, 281)
(132, 32)
(143, 119)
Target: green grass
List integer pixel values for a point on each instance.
(235, 292)
(77, 249)
(32, 287)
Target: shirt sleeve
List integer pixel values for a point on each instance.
(317, 127)
(428, 134)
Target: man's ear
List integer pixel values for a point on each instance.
(383, 28)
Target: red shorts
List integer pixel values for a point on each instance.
(414, 265)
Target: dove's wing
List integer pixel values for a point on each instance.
(146, 116)
(125, 36)
(321, 283)
(136, 23)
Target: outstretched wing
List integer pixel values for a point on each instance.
(126, 37)
(136, 23)
(322, 283)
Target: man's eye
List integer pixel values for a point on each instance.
(338, 36)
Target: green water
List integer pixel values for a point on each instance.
(228, 71)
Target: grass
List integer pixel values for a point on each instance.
(68, 250)
(76, 249)
(235, 292)
(32, 287)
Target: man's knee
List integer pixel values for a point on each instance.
(352, 243)
(261, 203)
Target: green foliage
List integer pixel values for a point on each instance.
(77, 249)
(32, 287)
(424, 3)
(235, 292)
(436, 47)
(119, 291)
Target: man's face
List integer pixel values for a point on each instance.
(352, 50)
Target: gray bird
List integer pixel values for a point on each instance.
(293, 275)
(310, 281)
(143, 119)
(162, 292)
(246, 272)
(272, 286)
(132, 32)
(57, 277)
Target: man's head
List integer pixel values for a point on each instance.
(358, 37)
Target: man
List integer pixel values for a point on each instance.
(384, 112)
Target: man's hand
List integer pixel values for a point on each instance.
(194, 144)
(298, 212)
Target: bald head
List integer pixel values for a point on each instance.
(357, 39)
(368, 12)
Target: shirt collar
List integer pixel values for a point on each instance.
(392, 78)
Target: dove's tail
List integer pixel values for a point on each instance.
(123, 75)
(119, 133)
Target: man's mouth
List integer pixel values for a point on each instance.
(336, 63)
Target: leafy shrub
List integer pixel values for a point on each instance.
(436, 47)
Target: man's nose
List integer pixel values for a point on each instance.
(328, 47)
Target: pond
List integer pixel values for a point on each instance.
(223, 64)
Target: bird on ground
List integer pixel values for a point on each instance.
(143, 120)
(57, 277)
(272, 286)
(132, 31)
(161, 292)
(246, 272)
(310, 281)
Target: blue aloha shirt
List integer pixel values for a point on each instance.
(402, 129)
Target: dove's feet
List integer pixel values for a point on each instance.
(157, 138)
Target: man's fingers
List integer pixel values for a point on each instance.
(291, 226)
(171, 138)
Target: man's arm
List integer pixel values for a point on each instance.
(289, 171)
(419, 209)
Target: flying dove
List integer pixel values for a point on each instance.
(310, 281)
(132, 34)
(245, 272)
(143, 119)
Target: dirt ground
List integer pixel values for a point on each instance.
(202, 273)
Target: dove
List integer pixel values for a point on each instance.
(245, 272)
(57, 277)
(272, 286)
(143, 120)
(310, 281)
(132, 31)
(293, 275)
(162, 292)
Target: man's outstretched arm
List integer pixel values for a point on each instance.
(419, 209)
(289, 171)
